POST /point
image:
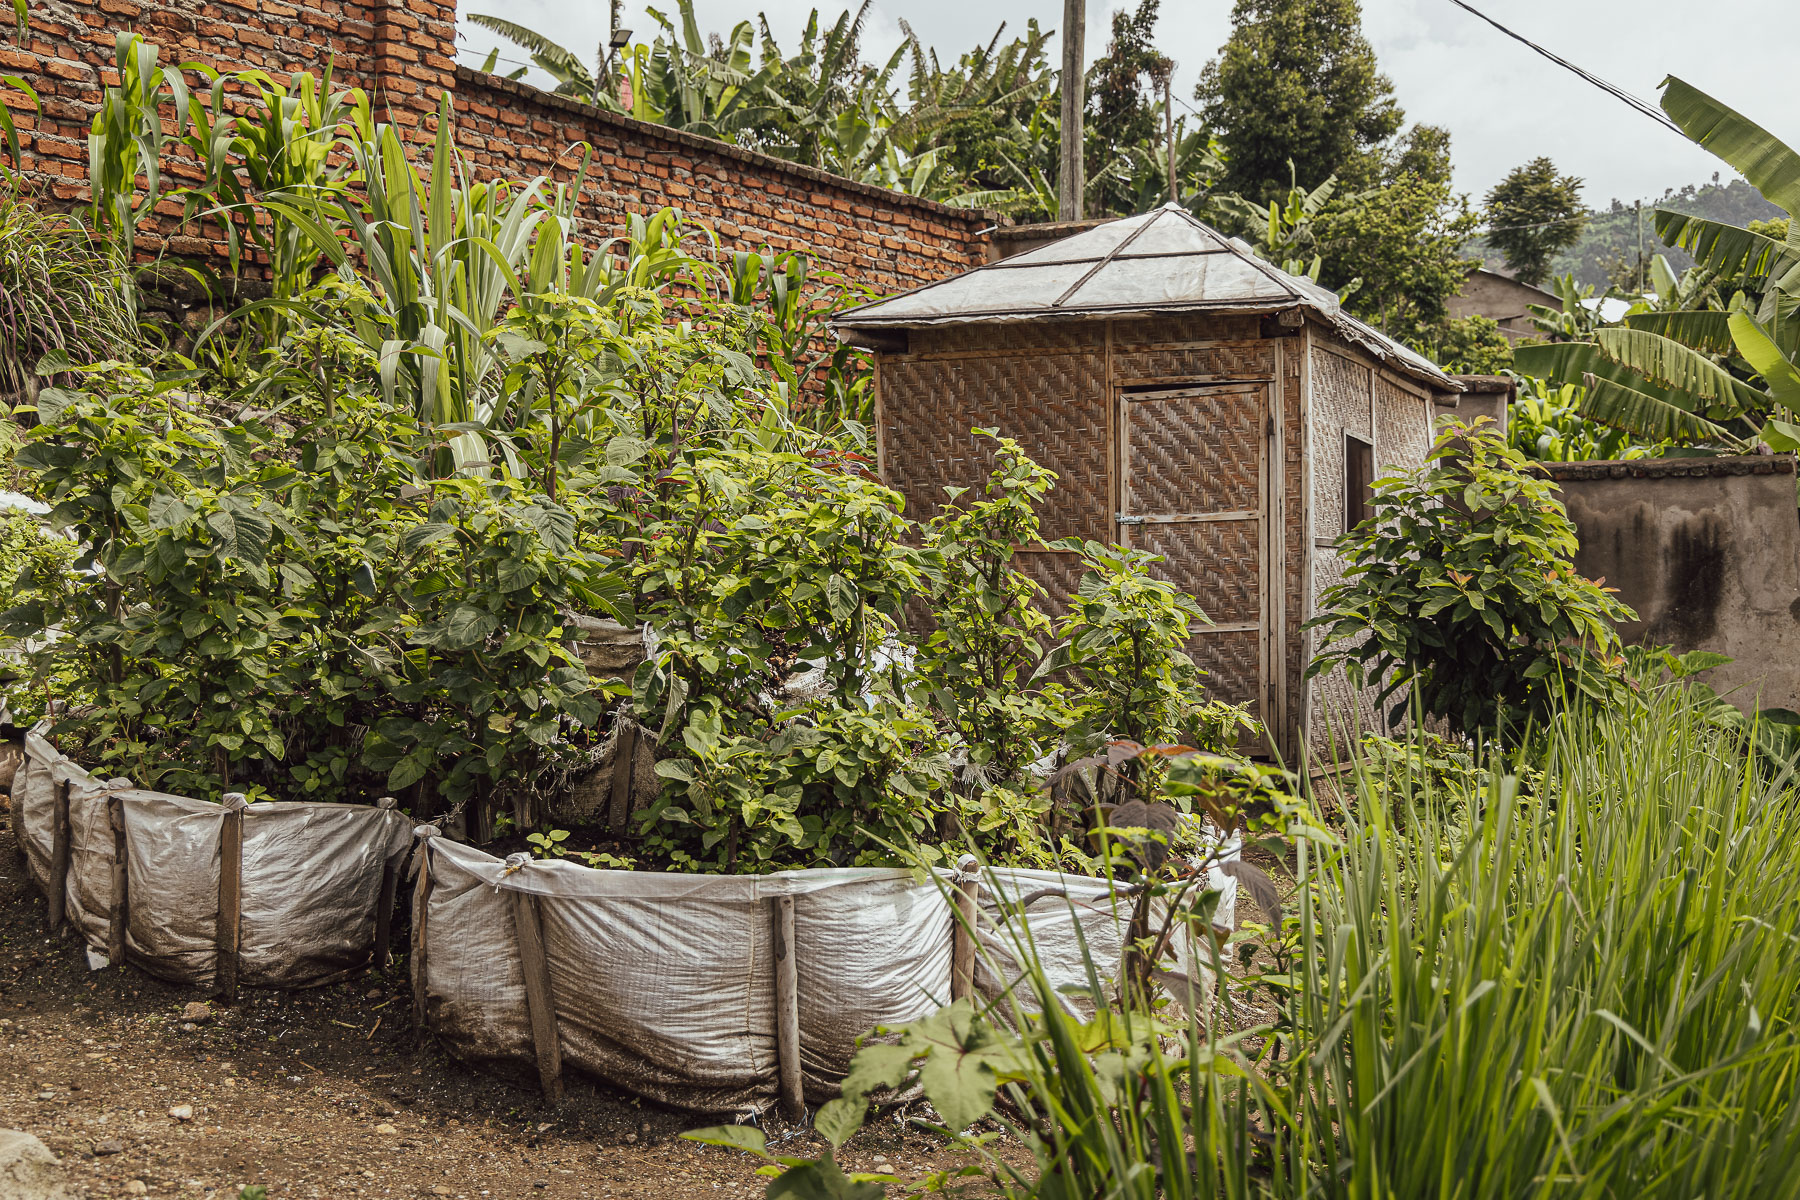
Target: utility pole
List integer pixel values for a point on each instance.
(1164, 74)
(1640, 233)
(1070, 182)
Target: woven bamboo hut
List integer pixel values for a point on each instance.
(1192, 399)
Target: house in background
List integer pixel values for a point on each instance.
(1193, 400)
(1503, 299)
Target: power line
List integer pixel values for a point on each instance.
(1643, 106)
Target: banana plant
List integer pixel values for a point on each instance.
(1726, 375)
(574, 78)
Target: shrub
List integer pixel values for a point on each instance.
(1462, 588)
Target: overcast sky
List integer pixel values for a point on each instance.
(1502, 103)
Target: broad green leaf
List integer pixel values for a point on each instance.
(1676, 366)
(1759, 156)
(1761, 352)
(822, 1180)
(1705, 331)
(243, 534)
(1732, 251)
(747, 1138)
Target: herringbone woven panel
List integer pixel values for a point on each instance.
(1215, 562)
(1192, 327)
(1053, 405)
(1237, 359)
(1402, 427)
(1058, 574)
(1295, 547)
(1232, 665)
(1197, 453)
(1000, 337)
(1340, 405)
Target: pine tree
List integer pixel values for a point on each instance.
(1533, 215)
(1298, 81)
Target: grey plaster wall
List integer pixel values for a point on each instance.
(1708, 553)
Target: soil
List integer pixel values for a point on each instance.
(326, 1094)
(147, 1089)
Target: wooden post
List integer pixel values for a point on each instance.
(540, 1003)
(421, 903)
(59, 855)
(624, 760)
(226, 934)
(1071, 182)
(121, 889)
(792, 1092)
(962, 934)
(390, 884)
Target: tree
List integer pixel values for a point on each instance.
(1123, 109)
(1403, 241)
(1533, 215)
(1297, 82)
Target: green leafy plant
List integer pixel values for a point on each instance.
(1461, 587)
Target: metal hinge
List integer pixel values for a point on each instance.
(1122, 519)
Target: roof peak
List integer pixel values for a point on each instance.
(1145, 263)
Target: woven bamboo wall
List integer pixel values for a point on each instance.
(1349, 397)
(1056, 389)
(1043, 385)
(1296, 474)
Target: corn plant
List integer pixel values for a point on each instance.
(128, 140)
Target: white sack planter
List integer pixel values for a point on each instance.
(145, 876)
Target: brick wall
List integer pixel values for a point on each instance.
(402, 53)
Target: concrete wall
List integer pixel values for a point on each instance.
(1707, 550)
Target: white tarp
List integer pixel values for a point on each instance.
(312, 875)
(663, 985)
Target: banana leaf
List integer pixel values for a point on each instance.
(1765, 160)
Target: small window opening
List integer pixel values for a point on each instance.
(1359, 480)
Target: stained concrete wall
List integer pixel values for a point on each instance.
(1707, 550)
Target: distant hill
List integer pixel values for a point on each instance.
(1608, 248)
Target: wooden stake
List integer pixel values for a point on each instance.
(623, 776)
(539, 1001)
(421, 905)
(59, 855)
(121, 891)
(962, 934)
(792, 1092)
(231, 896)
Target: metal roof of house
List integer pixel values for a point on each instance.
(1162, 261)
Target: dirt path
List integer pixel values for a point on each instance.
(320, 1094)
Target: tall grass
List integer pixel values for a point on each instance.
(1581, 988)
(1584, 991)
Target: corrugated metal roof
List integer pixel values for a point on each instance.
(1164, 260)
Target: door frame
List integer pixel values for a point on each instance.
(1269, 514)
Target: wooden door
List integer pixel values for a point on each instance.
(1194, 489)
